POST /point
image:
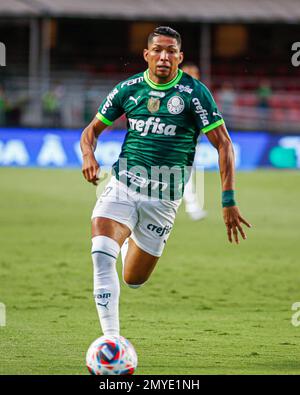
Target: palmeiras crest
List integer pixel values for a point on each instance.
(153, 104)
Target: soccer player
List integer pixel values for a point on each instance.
(190, 198)
(192, 69)
(166, 109)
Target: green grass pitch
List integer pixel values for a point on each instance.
(209, 308)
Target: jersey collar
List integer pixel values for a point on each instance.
(163, 87)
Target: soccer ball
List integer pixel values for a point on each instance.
(111, 355)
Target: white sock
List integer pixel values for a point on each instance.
(106, 283)
(124, 250)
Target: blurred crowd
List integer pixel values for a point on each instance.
(67, 105)
(10, 110)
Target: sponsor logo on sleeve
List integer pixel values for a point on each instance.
(200, 111)
(132, 82)
(109, 100)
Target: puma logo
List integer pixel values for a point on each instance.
(103, 305)
(135, 100)
(100, 297)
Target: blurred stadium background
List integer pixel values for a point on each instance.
(62, 58)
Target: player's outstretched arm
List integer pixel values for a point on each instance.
(88, 143)
(220, 139)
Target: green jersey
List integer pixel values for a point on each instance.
(163, 125)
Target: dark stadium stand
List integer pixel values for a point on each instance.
(86, 47)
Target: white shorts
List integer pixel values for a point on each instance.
(150, 220)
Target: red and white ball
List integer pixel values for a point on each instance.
(111, 355)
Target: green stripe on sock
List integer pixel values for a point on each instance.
(103, 252)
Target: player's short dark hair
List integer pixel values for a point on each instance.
(165, 31)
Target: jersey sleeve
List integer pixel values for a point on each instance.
(205, 110)
(111, 108)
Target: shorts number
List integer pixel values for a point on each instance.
(106, 191)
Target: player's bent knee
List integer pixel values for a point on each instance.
(133, 285)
